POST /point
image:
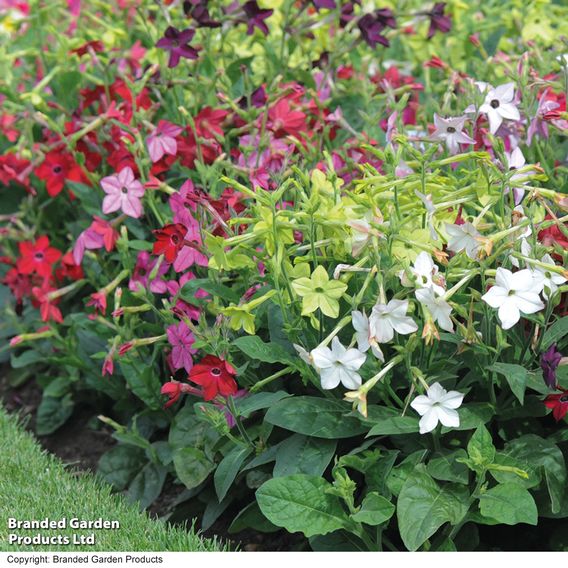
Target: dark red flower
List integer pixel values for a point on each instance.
(69, 269)
(215, 376)
(558, 403)
(553, 235)
(37, 257)
(438, 21)
(255, 17)
(57, 168)
(170, 240)
(173, 390)
(208, 122)
(177, 43)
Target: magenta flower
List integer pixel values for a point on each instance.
(123, 192)
(181, 339)
(142, 271)
(189, 255)
(177, 43)
(163, 140)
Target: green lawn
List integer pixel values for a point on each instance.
(35, 485)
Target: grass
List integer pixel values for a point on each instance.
(35, 485)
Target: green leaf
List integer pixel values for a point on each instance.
(66, 88)
(219, 290)
(388, 422)
(424, 506)
(192, 466)
(256, 349)
(26, 358)
(301, 454)
(228, 469)
(555, 333)
(375, 510)
(300, 503)
(510, 504)
(52, 413)
(251, 517)
(515, 375)
(258, 401)
(445, 466)
(119, 465)
(318, 417)
(480, 448)
(143, 381)
(147, 485)
(472, 415)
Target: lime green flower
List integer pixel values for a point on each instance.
(319, 292)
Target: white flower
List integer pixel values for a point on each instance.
(547, 279)
(338, 365)
(387, 318)
(515, 160)
(499, 105)
(439, 309)
(464, 237)
(514, 294)
(438, 406)
(430, 211)
(450, 130)
(426, 274)
(363, 334)
(303, 354)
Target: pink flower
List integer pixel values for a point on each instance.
(123, 192)
(100, 234)
(163, 140)
(189, 255)
(181, 339)
(143, 269)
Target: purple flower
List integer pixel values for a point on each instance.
(181, 339)
(255, 17)
(439, 22)
(141, 274)
(197, 9)
(386, 17)
(371, 28)
(549, 362)
(329, 4)
(177, 43)
(538, 126)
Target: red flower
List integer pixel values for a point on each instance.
(558, 403)
(215, 376)
(69, 268)
(173, 391)
(553, 235)
(170, 240)
(99, 302)
(208, 122)
(56, 169)
(14, 169)
(37, 257)
(47, 307)
(283, 121)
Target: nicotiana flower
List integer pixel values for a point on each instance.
(516, 160)
(450, 130)
(215, 375)
(513, 294)
(430, 212)
(438, 405)
(548, 279)
(338, 365)
(163, 140)
(439, 309)
(499, 104)
(255, 17)
(385, 319)
(181, 339)
(558, 403)
(464, 237)
(425, 274)
(549, 362)
(363, 334)
(170, 240)
(123, 192)
(37, 257)
(438, 20)
(177, 43)
(319, 291)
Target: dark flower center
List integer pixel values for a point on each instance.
(450, 129)
(175, 43)
(563, 398)
(57, 169)
(175, 239)
(494, 103)
(38, 255)
(511, 293)
(216, 372)
(124, 190)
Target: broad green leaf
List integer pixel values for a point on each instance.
(300, 503)
(387, 422)
(375, 510)
(143, 381)
(26, 358)
(424, 506)
(119, 465)
(515, 375)
(251, 518)
(192, 466)
(147, 485)
(510, 504)
(257, 350)
(52, 413)
(445, 466)
(258, 401)
(219, 290)
(505, 467)
(555, 333)
(318, 417)
(472, 415)
(480, 448)
(228, 469)
(301, 454)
